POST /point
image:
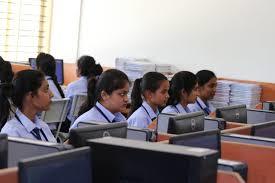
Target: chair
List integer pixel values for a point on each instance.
(77, 102)
(57, 113)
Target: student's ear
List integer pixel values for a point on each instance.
(104, 95)
(29, 96)
(148, 94)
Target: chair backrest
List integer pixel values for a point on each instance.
(77, 102)
(56, 114)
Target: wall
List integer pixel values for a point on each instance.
(233, 38)
(65, 29)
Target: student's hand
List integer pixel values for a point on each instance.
(66, 142)
(212, 114)
(153, 125)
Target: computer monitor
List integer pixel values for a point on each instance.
(132, 133)
(143, 162)
(236, 113)
(3, 151)
(20, 148)
(205, 139)
(214, 123)
(247, 139)
(163, 122)
(32, 62)
(269, 105)
(69, 166)
(59, 69)
(79, 136)
(186, 123)
(266, 129)
(139, 134)
(83, 124)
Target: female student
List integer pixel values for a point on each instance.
(46, 63)
(6, 76)
(183, 91)
(148, 94)
(107, 98)
(86, 69)
(207, 81)
(31, 95)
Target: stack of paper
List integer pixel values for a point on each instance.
(222, 96)
(244, 93)
(164, 68)
(136, 68)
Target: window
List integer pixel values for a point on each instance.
(24, 28)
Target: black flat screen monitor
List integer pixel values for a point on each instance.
(59, 69)
(125, 160)
(247, 139)
(20, 148)
(236, 113)
(132, 133)
(186, 123)
(69, 166)
(139, 134)
(266, 129)
(79, 136)
(205, 139)
(214, 124)
(3, 151)
(269, 105)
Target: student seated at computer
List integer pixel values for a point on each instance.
(86, 69)
(30, 94)
(207, 81)
(46, 64)
(6, 76)
(149, 93)
(107, 98)
(183, 91)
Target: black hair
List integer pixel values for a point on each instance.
(6, 76)
(204, 76)
(150, 81)
(24, 81)
(183, 80)
(46, 63)
(88, 67)
(108, 81)
(1, 59)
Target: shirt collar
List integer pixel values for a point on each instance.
(27, 123)
(180, 108)
(108, 114)
(83, 78)
(48, 77)
(203, 105)
(151, 112)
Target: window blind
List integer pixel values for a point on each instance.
(24, 28)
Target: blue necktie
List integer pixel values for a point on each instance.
(36, 133)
